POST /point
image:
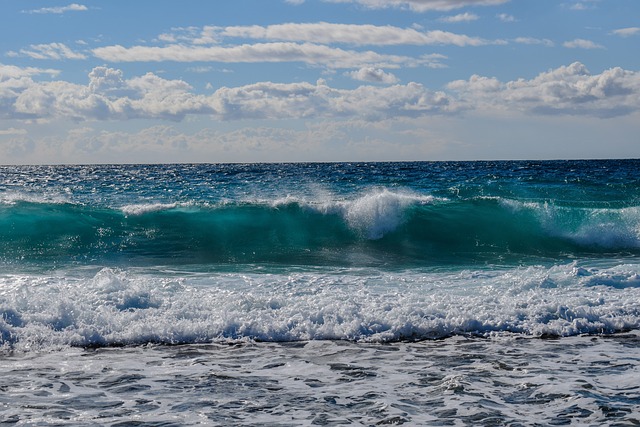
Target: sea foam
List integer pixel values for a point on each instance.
(141, 209)
(587, 226)
(117, 307)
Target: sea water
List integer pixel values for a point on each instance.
(422, 293)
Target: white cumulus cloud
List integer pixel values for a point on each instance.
(374, 75)
(107, 96)
(110, 96)
(571, 90)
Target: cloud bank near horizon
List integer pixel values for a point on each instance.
(109, 95)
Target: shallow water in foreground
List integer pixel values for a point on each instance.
(508, 380)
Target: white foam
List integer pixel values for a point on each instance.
(144, 208)
(380, 212)
(14, 197)
(120, 307)
(607, 228)
(611, 228)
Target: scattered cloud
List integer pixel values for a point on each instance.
(324, 33)
(373, 75)
(627, 32)
(534, 41)
(55, 51)
(504, 17)
(203, 69)
(74, 7)
(192, 35)
(308, 53)
(583, 5)
(582, 44)
(313, 44)
(422, 5)
(14, 72)
(462, 17)
(12, 132)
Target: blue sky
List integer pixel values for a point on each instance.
(318, 80)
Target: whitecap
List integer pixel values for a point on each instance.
(141, 209)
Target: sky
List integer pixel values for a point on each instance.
(159, 81)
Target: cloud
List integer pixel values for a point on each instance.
(328, 33)
(570, 90)
(205, 69)
(462, 17)
(322, 140)
(109, 96)
(627, 32)
(534, 41)
(504, 17)
(584, 5)
(12, 131)
(14, 72)
(74, 7)
(308, 53)
(304, 100)
(313, 44)
(51, 51)
(422, 5)
(373, 75)
(582, 44)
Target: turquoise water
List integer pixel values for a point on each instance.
(448, 293)
(390, 216)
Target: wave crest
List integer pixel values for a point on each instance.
(372, 215)
(141, 209)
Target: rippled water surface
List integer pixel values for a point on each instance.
(458, 381)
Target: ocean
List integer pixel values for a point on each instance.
(420, 293)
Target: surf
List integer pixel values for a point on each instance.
(379, 227)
